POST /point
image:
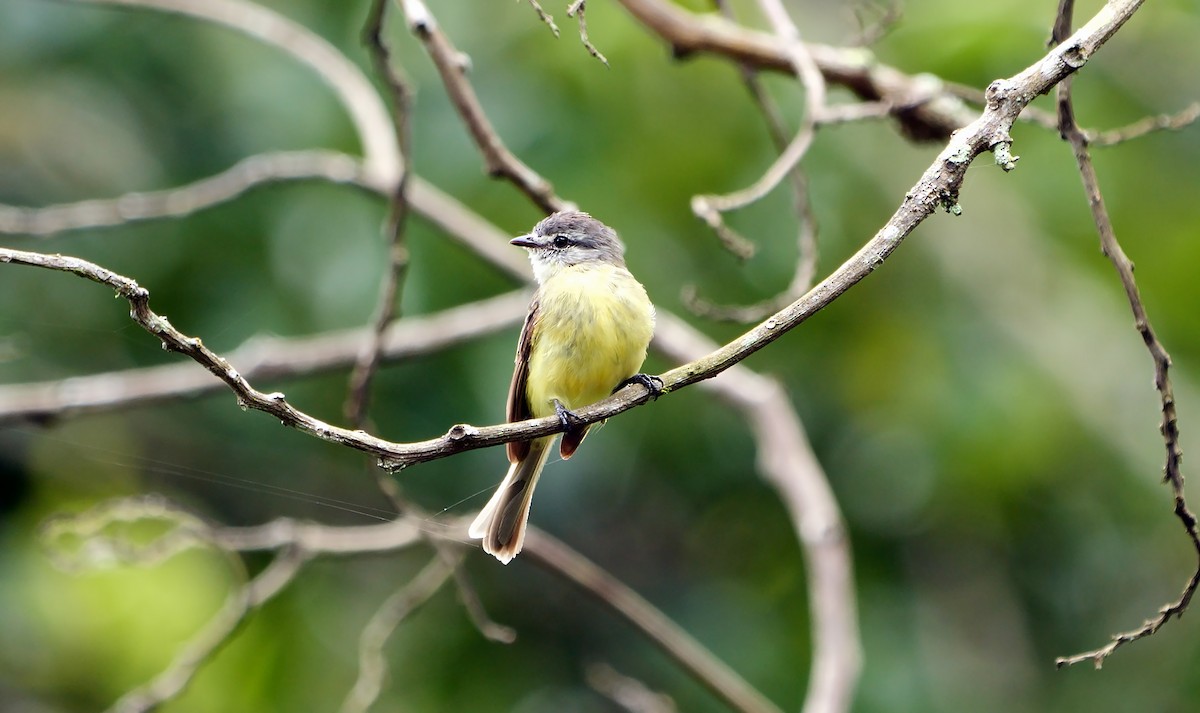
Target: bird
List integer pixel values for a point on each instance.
(585, 336)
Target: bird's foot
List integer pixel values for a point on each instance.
(566, 417)
(652, 383)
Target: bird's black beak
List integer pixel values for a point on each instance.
(525, 241)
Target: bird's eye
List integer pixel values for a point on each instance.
(561, 241)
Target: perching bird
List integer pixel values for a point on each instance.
(586, 334)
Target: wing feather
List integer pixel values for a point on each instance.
(518, 398)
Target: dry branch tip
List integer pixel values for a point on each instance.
(544, 16)
(579, 8)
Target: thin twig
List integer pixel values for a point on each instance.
(872, 32)
(387, 307)
(245, 175)
(262, 169)
(627, 692)
(372, 665)
(1163, 122)
(544, 16)
(487, 627)
(498, 160)
(767, 106)
(787, 463)
(579, 8)
(674, 641)
(806, 233)
(1168, 427)
(862, 111)
(920, 105)
(191, 531)
(318, 539)
(1096, 138)
(710, 208)
(802, 275)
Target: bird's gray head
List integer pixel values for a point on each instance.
(570, 238)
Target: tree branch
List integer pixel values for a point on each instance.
(674, 641)
(241, 603)
(400, 97)
(921, 106)
(544, 16)
(786, 461)
(245, 175)
(1163, 122)
(259, 359)
(579, 9)
(372, 665)
(1168, 427)
(452, 66)
(629, 693)
(806, 232)
(709, 208)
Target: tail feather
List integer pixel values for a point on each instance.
(501, 523)
(571, 438)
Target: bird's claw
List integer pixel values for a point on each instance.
(566, 417)
(653, 384)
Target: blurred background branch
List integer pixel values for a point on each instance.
(400, 98)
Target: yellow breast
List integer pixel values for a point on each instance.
(594, 324)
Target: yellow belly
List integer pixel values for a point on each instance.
(593, 327)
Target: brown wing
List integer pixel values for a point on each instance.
(518, 401)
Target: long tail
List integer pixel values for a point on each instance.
(501, 523)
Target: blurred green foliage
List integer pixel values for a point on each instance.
(981, 403)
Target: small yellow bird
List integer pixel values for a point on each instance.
(585, 336)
